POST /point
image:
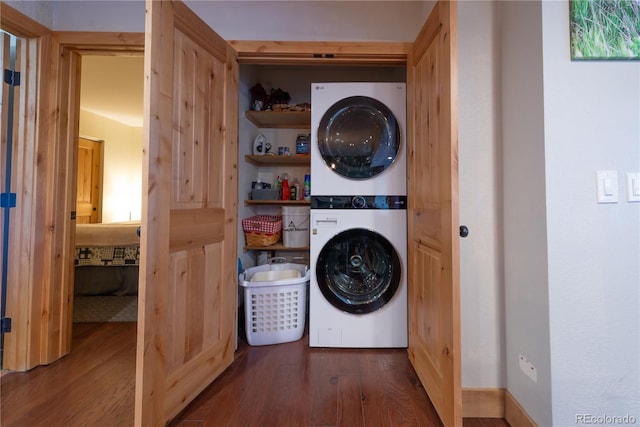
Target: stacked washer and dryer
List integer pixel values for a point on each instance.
(358, 243)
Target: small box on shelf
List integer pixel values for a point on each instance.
(264, 194)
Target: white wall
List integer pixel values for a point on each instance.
(98, 15)
(592, 122)
(314, 20)
(262, 20)
(41, 11)
(524, 201)
(122, 184)
(572, 267)
(481, 273)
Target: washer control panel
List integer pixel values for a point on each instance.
(358, 202)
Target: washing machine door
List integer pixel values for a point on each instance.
(358, 137)
(358, 271)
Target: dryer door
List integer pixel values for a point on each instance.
(358, 271)
(358, 137)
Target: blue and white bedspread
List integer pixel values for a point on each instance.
(107, 259)
(108, 256)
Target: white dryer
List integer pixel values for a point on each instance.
(358, 142)
(358, 286)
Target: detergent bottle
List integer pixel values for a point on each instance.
(286, 191)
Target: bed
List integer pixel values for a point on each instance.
(107, 259)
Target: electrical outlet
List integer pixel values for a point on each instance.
(528, 368)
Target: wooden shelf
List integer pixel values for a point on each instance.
(277, 247)
(266, 160)
(280, 119)
(278, 202)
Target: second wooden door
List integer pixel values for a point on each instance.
(89, 182)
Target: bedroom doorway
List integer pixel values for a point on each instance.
(108, 188)
(111, 91)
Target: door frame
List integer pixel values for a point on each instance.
(70, 46)
(36, 295)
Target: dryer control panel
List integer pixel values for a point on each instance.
(358, 202)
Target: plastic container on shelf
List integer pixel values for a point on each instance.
(303, 142)
(275, 298)
(295, 186)
(295, 226)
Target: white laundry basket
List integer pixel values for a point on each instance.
(275, 298)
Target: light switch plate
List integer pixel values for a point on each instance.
(633, 186)
(607, 186)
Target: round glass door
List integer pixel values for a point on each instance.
(358, 271)
(358, 137)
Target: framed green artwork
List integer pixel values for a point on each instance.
(605, 29)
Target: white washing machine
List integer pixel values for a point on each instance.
(358, 286)
(358, 139)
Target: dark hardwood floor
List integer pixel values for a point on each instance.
(279, 385)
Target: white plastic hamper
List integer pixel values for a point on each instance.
(295, 226)
(275, 298)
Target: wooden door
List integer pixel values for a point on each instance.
(434, 277)
(188, 287)
(89, 182)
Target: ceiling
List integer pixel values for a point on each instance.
(112, 87)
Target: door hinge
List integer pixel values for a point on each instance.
(12, 77)
(8, 200)
(5, 325)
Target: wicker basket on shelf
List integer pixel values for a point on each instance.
(262, 230)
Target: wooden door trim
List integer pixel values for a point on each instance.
(515, 414)
(68, 54)
(19, 24)
(37, 298)
(103, 43)
(252, 51)
(483, 403)
(425, 37)
(321, 52)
